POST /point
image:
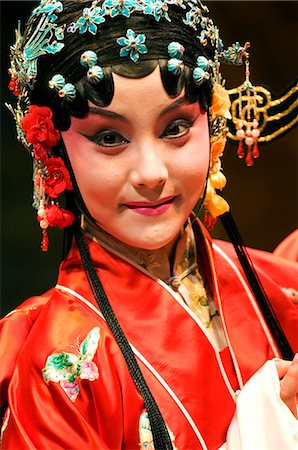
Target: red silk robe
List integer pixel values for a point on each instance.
(63, 332)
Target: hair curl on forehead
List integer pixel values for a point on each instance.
(158, 36)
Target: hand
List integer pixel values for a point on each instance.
(288, 375)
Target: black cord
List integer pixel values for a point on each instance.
(161, 438)
(256, 286)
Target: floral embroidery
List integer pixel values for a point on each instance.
(146, 438)
(132, 45)
(69, 368)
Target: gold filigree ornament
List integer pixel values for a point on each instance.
(258, 116)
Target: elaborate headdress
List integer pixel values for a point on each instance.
(52, 77)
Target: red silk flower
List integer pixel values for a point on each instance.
(39, 127)
(57, 178)
(57, 216)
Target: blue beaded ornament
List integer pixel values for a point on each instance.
(201, 71)
(95, 73)
(175, 63)
(65, 90)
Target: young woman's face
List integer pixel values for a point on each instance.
(141, 162)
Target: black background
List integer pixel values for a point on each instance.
(263, 198)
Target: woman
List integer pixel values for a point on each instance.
(113, 104)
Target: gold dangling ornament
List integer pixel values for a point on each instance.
(247, 124)
(219, 112)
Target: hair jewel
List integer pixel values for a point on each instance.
(90, 18)
(156, 8)
(122, 7)
(95, 73)
(44, 39)
(194, 16)
(176, 50)
(132, 45)
(234, 54)
(202, 70)
(65, 90)
(175, 63)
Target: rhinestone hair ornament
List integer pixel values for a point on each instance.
(45, 35)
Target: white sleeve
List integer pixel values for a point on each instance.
(262, 421)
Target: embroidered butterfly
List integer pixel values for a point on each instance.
(68, 368)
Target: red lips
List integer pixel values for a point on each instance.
(162, 201)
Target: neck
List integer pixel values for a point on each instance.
(159, 261)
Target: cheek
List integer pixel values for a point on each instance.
(99, 178)
(194, 162)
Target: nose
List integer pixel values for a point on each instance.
(148, 168)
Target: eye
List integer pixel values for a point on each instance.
(176, 129)
(108, 138)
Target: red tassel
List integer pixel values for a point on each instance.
(248, 160)
(240, 151)
(255, 150)
(45, 241)
(209, 221)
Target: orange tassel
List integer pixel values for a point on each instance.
(209, 220)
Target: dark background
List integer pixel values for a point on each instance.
(263, 198)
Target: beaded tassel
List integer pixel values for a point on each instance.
(247, 129)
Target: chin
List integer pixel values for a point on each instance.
(152, 241)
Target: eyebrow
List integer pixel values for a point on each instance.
(180, 101)
(106, 113)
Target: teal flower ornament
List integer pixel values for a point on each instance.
(88, 21)
(132, 45)
(122, 7)
(156, 8)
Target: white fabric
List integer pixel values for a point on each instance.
(262, 421)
